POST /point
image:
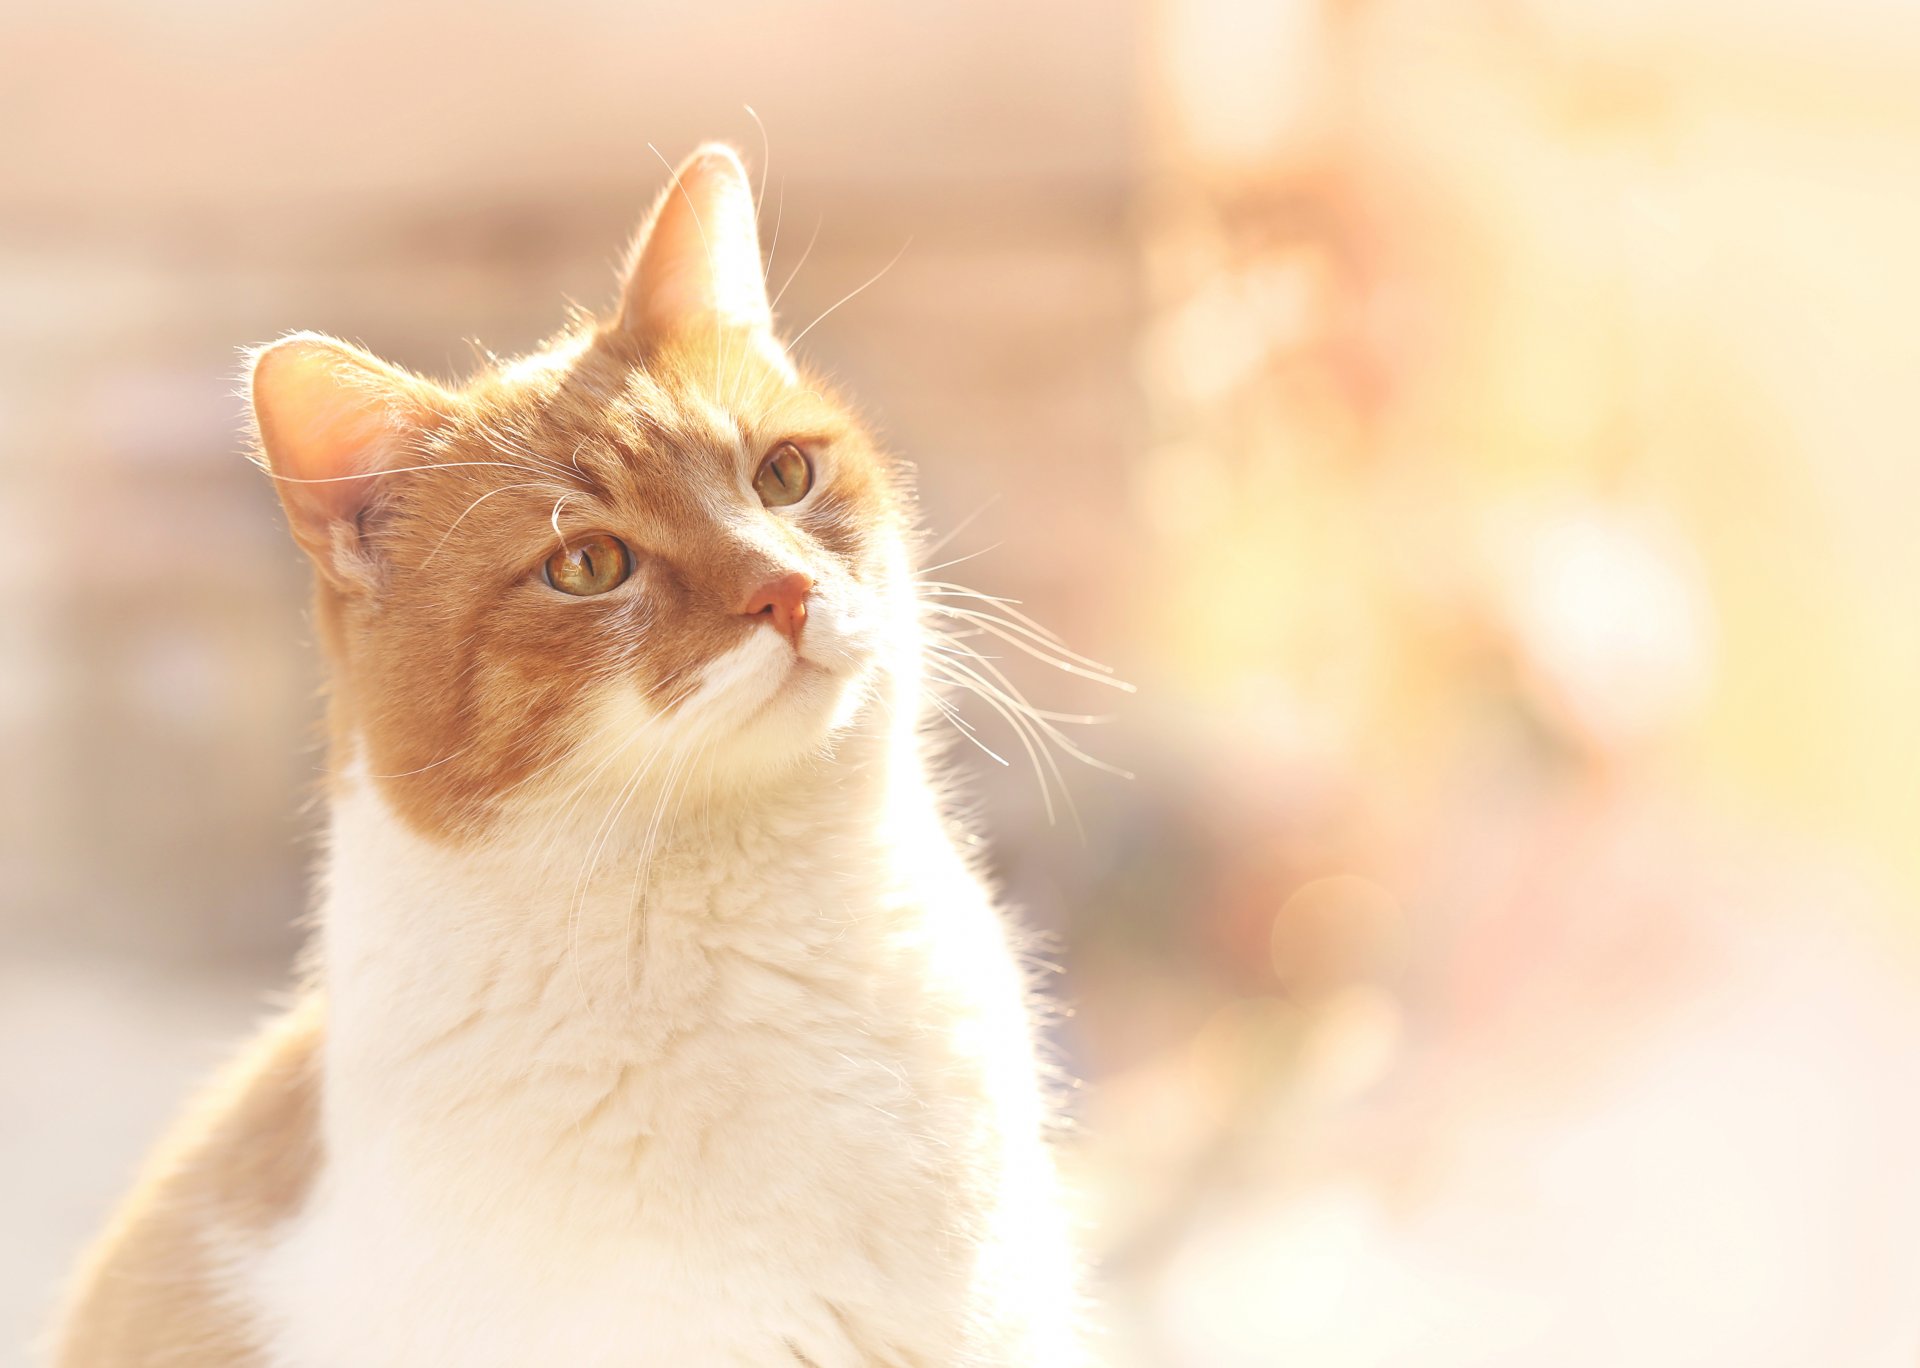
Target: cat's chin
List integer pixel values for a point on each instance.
(764, 704)
(806, 705)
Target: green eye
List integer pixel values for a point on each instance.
(784, 477)
(591, 565)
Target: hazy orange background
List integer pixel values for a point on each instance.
(1484, 432)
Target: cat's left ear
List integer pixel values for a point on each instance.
(696, 262)
(332, 419)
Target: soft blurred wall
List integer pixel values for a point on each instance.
(1529, 485)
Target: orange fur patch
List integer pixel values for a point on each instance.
(239, 1163)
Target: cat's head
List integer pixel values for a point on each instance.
(654, 543)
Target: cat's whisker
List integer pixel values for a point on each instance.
(576, 906)
(733, 398)
(961, 560)
(773, 245)
(805, 252)
(956, 530)
(951, 712)
(560, 756)
(948, 589)
(404, 774)
(965, 728)
(961, 664)
(958, 615)
(602, 835)
(681, 768)
(952, 666)
(549, 836)
(395, 470)
(975, 628)
(548, 843)
(510, 444)
(519, 446)
(554, 519)
(766, 160)
(859, 289)
(1043, 721)
(523, 484)
(630, 909)
(1040, 648)
(1005, 607)
(1077, 719)
(1036, 752)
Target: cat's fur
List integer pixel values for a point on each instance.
(656, 1019)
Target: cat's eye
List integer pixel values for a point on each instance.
(784, 477)
(589, 566)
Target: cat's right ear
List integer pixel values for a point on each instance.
(331, 420)
(696, 262)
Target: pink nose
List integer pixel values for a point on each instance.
(782, 600)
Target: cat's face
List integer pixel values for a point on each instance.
(652, 549)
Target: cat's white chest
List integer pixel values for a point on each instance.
(789, 1134)
(354, 1283)
(751, 1205)
(738, 1205)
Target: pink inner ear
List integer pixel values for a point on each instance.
(698, 261)
(328, 413)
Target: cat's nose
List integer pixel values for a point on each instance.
(782, 601)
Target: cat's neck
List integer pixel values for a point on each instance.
(586, 873)
(598, 935)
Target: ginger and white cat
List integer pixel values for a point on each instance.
(655, 1017)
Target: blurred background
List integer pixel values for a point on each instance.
(1485, 432)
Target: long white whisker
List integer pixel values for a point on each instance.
(961, 560)
(1041, 649)
(766, 160)
(577, 907)
(602, 835)
(948, 589)
(773, 246)
(1008, 608)
(805, 252)
(1041, 720)
(964, 727)
(1077, 719)
(522, 484)
(513, 445)
(396, 470)
(567, 802)
(858, 289)
(960, 527)
(1034, 752)
(679, 769)
(404, 774)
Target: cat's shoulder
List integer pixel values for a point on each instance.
(155, 1288)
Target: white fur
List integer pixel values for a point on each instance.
(738, 1071)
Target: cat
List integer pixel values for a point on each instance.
(655, 1015)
